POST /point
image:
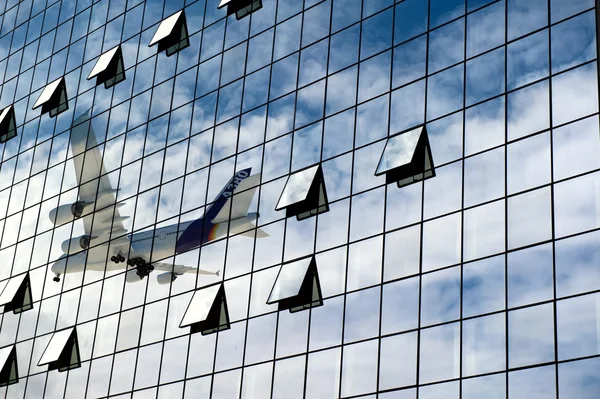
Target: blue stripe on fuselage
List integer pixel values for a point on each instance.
(198, 232)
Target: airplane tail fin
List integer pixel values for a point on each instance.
(227, 192)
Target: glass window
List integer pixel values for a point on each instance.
(484, 230)
(445, 92)
(376, 33)
(529, 218)
(484, 345)
(491, 387)
(483, 286)
(441, 242)
(439, 353)
(484, 126)
(448, 390)
(530, 275)
(485, 76)
(362, 314)
(440, 300)
(533, 383)
(392, 372)
(527, 60)
(485, 29)
(326, 324)
(531, 336)
(323, 376)
(528, 163)
(579, 379)
(578, 326)
(446, 45)
(528, 110)
(400, 306)
(288, 379)
(260, 339)
(575, 265)
(576, 204)
(359, 368)
(525, 16)
(402, 253)
(257, 381)
(409, 61)
(364, 263)
(411, 20)
(575, 148)
(573, 94)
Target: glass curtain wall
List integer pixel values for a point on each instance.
(481, 281)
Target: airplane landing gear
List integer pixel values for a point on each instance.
(56, 278)
(143, 268)
(117, 258)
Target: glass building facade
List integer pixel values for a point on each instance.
(435, 166)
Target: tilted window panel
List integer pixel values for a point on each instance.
(62, 352)
(406, 158)
(304, 194)
(172, 34)
(241, 8)
(9, 372)
(297, 286)
(8, 124)
(109, 68)
(54, 98)
(207, 311)
(16, 295)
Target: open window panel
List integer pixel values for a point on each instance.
(8, 124)
(16, 295)
(304, 194)
(62, 352)
(54, 98)
(109, 68)
(406, 158)
(172, 34)
(297, 286)
(241, 8)
(9, 372)
(207, 311)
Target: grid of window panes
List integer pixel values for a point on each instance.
(482, 281)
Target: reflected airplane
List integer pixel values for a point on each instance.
(106, 237)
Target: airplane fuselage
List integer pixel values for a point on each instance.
(155, 245)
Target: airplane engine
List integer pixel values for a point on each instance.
(76, 244)
(165, 278)
(68, 212)
(132, 277)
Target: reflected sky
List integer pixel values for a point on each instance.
(246, 93)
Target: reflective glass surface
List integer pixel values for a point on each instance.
(479, 282)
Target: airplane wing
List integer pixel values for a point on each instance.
(179, 269)
(94, 185)
(238, 204)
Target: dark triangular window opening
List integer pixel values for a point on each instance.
(9, 374)
(304, 194)
(113, 73)
(16, 295)
(8, 124)
(172, 34)
(22, 300)
(178, 41)
(217, 319)
(309, 294)
(58, 102)
(406, 158)
(69, 358)
(243, 8)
